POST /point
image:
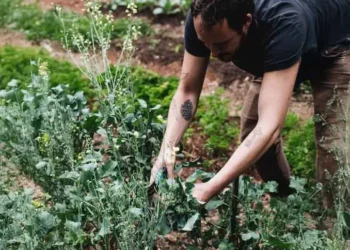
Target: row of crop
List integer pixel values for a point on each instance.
(211, 123)
(96, 194)
(103, 202)
(38, 25)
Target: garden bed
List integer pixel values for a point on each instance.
(213, 136)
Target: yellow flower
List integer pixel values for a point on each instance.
(37, 204)
(161, 119)
(44, 70)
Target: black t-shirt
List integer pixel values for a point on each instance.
(282, 32)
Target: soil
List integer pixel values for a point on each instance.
(163, 54)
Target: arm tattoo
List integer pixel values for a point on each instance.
(186, 110)
(256, 132)
(184, 76)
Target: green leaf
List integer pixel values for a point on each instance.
(136, 211)
(270, 187)
(104, 227)
(250, 235)
(13, 83)
(142, 103)
(40, 165)
(191, 222)
(213, 204)
(101, 190)
(72, 225)
(158, 106)
(274, 203)
(298, 184)
(3, 93)
(199, 174)
(158, 11)
(46, 219)
(280, 243)
(70, 175)
(140, 159)
(226, 245)
(163, 227)
(58, 89)
(346, 216)
(88, 167)
(108, 169)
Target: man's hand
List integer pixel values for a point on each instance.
(201, 192)
(157, 167)
(167, 160)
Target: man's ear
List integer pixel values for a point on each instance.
(248, 22)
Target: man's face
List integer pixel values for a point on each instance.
(223, 41)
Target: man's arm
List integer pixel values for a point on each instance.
(274, 100)
(182, 109)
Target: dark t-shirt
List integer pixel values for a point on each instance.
(283, 31)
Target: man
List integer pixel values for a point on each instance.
(280, 42)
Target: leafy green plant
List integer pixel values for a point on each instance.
(277, 223)
(153, 88)
(18, 63)
(299, 146)
(39, 25)
(214, 122)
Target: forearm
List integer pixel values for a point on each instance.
(251, 149)
(181, 112)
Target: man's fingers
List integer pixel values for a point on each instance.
(154, 172)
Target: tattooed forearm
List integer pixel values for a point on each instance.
(184, 76)
(256, 132)
(187, 110)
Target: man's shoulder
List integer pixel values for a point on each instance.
(266, 10)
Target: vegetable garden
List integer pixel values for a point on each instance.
(83, 107)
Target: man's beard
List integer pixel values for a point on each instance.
(228, 57)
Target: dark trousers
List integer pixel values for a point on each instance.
(330, 93)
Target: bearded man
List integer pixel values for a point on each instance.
(281, 43)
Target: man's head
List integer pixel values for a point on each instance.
(222, 24)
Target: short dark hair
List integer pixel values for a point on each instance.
(214, 11)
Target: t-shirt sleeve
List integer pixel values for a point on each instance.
(192, 44)
(284, 41)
